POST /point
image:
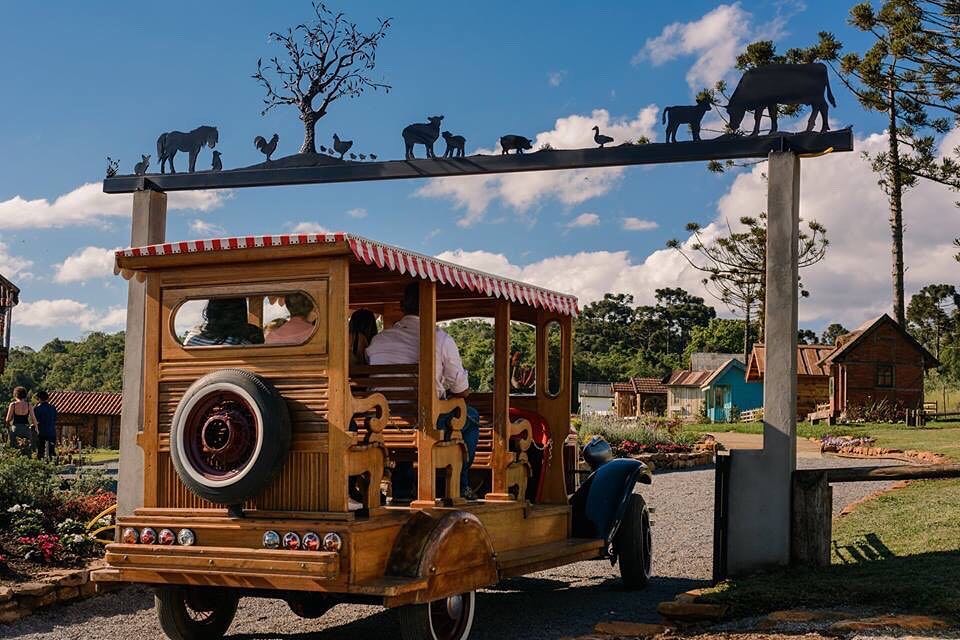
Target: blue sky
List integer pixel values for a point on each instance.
(88, 80)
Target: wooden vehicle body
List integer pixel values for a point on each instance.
(346, 426)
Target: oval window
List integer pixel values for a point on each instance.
(523, 358)
(554, 359)
(230, 321)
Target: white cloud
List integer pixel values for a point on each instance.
(204, 228)
(88, 205)
(555, 78)
(584, 220)
(85, 264)
(715, 39)
(840, 191)
(308, 227)
(639, 224)
(521, 191)
(63, 311)
(14, 267)
(358, 212)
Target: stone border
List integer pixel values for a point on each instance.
(63, 585)
(862, 451)
(675, 460)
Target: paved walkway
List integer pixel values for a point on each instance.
(733, 440)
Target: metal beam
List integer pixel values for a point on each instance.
(732, 148)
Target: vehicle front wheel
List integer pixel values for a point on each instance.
(634, 544)
(195, 613)
(445, 619)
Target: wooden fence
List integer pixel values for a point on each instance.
(752, 415)
(812, 513)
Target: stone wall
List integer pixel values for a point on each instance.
(20, 600)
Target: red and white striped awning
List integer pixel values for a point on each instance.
(383, 256)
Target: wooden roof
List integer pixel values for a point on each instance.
(685, 378)
(363, 251)
(809, 358)
(719, 371)
(639, 386)
(848, 343)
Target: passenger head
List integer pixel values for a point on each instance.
(410, 305)
(42, 396)
(226, 318)
(20, 393)
(363, 326)
(299, 305)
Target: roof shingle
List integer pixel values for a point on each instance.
(89, 403)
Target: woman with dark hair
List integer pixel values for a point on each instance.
(299, 326)
(363, 326)
(224, 323)
(22, 422)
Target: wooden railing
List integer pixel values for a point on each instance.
(752, 415)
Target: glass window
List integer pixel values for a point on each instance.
(272, 319)
(554, 361)
(884, 375)
(523, 358)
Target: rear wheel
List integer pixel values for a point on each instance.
(445, 619)
(634, 544)
(191, 613)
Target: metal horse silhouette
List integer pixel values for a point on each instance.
(168, 144)
(677, 115)
(425, 133)
(768, 86)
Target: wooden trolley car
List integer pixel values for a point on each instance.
(263, 463)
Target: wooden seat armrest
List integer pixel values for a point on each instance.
(458, 421)
(373, 424)
(523, 431)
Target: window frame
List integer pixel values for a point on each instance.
(882, 370)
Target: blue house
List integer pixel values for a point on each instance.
(727, 388)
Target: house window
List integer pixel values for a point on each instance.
(884, 375)
(719, 396)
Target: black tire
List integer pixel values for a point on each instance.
(445, 619)
(634, 544)
(195, 613)
(230, 436)
(311, 605)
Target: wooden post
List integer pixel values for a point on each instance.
(339, 403)
(148, 226)
(427, 398)
(501, 403)
(811, 525)
(556, 409)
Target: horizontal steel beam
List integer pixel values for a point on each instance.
(725, 148)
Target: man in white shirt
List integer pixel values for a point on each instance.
(400, 344)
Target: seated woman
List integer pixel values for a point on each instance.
(299, 326)
(224, 323)
(362, 329)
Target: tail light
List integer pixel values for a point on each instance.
(166, 536)
(311, 541)
(291, 540)
(332, 542)
(130, 536)
(271, 540)
(185, 537)
(148, 536)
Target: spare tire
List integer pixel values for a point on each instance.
(230, 436)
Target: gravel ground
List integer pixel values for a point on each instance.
(551, 604)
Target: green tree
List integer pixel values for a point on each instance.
(720, 335)
(806, 336)
(932, 315)
(833, 331)
(735, 264)
(910, 73)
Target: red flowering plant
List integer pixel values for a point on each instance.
(44, 548)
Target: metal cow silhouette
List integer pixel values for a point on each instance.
(766, 87)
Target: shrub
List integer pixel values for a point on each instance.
(638, 436)
(84, 507)
(26, 481)
(25, 520)
(42, 548)
(882, 410)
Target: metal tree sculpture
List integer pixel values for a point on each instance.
(325, 60)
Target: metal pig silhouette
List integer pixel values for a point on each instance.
(514, 142)
(766, 87)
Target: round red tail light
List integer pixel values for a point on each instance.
(291, 540)
(311, 541)
(148, 536)
(166, 536)
(130, 536)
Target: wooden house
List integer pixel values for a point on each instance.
(727, 392)
(684, 396)
(638, 396)
(813, 377)
(878, 361)
(595, 397)
(91, 416)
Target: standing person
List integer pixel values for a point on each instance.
(46, 415)
(22, 422)
(400, 344)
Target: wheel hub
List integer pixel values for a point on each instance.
(220, 435)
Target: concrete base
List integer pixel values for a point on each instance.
(758, 529)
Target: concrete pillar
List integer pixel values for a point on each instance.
(758, 533)
(148, 226)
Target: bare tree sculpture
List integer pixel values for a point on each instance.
(326, 60)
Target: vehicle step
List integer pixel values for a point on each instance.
(580, 548)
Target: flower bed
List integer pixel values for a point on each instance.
(661, 442)
(45, 521)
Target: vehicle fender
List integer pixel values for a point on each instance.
(451, 549)
(600, 502)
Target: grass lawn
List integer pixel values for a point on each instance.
(99, 456)
(900, 551)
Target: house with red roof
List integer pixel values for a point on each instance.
(91, 416)
(638, 396)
